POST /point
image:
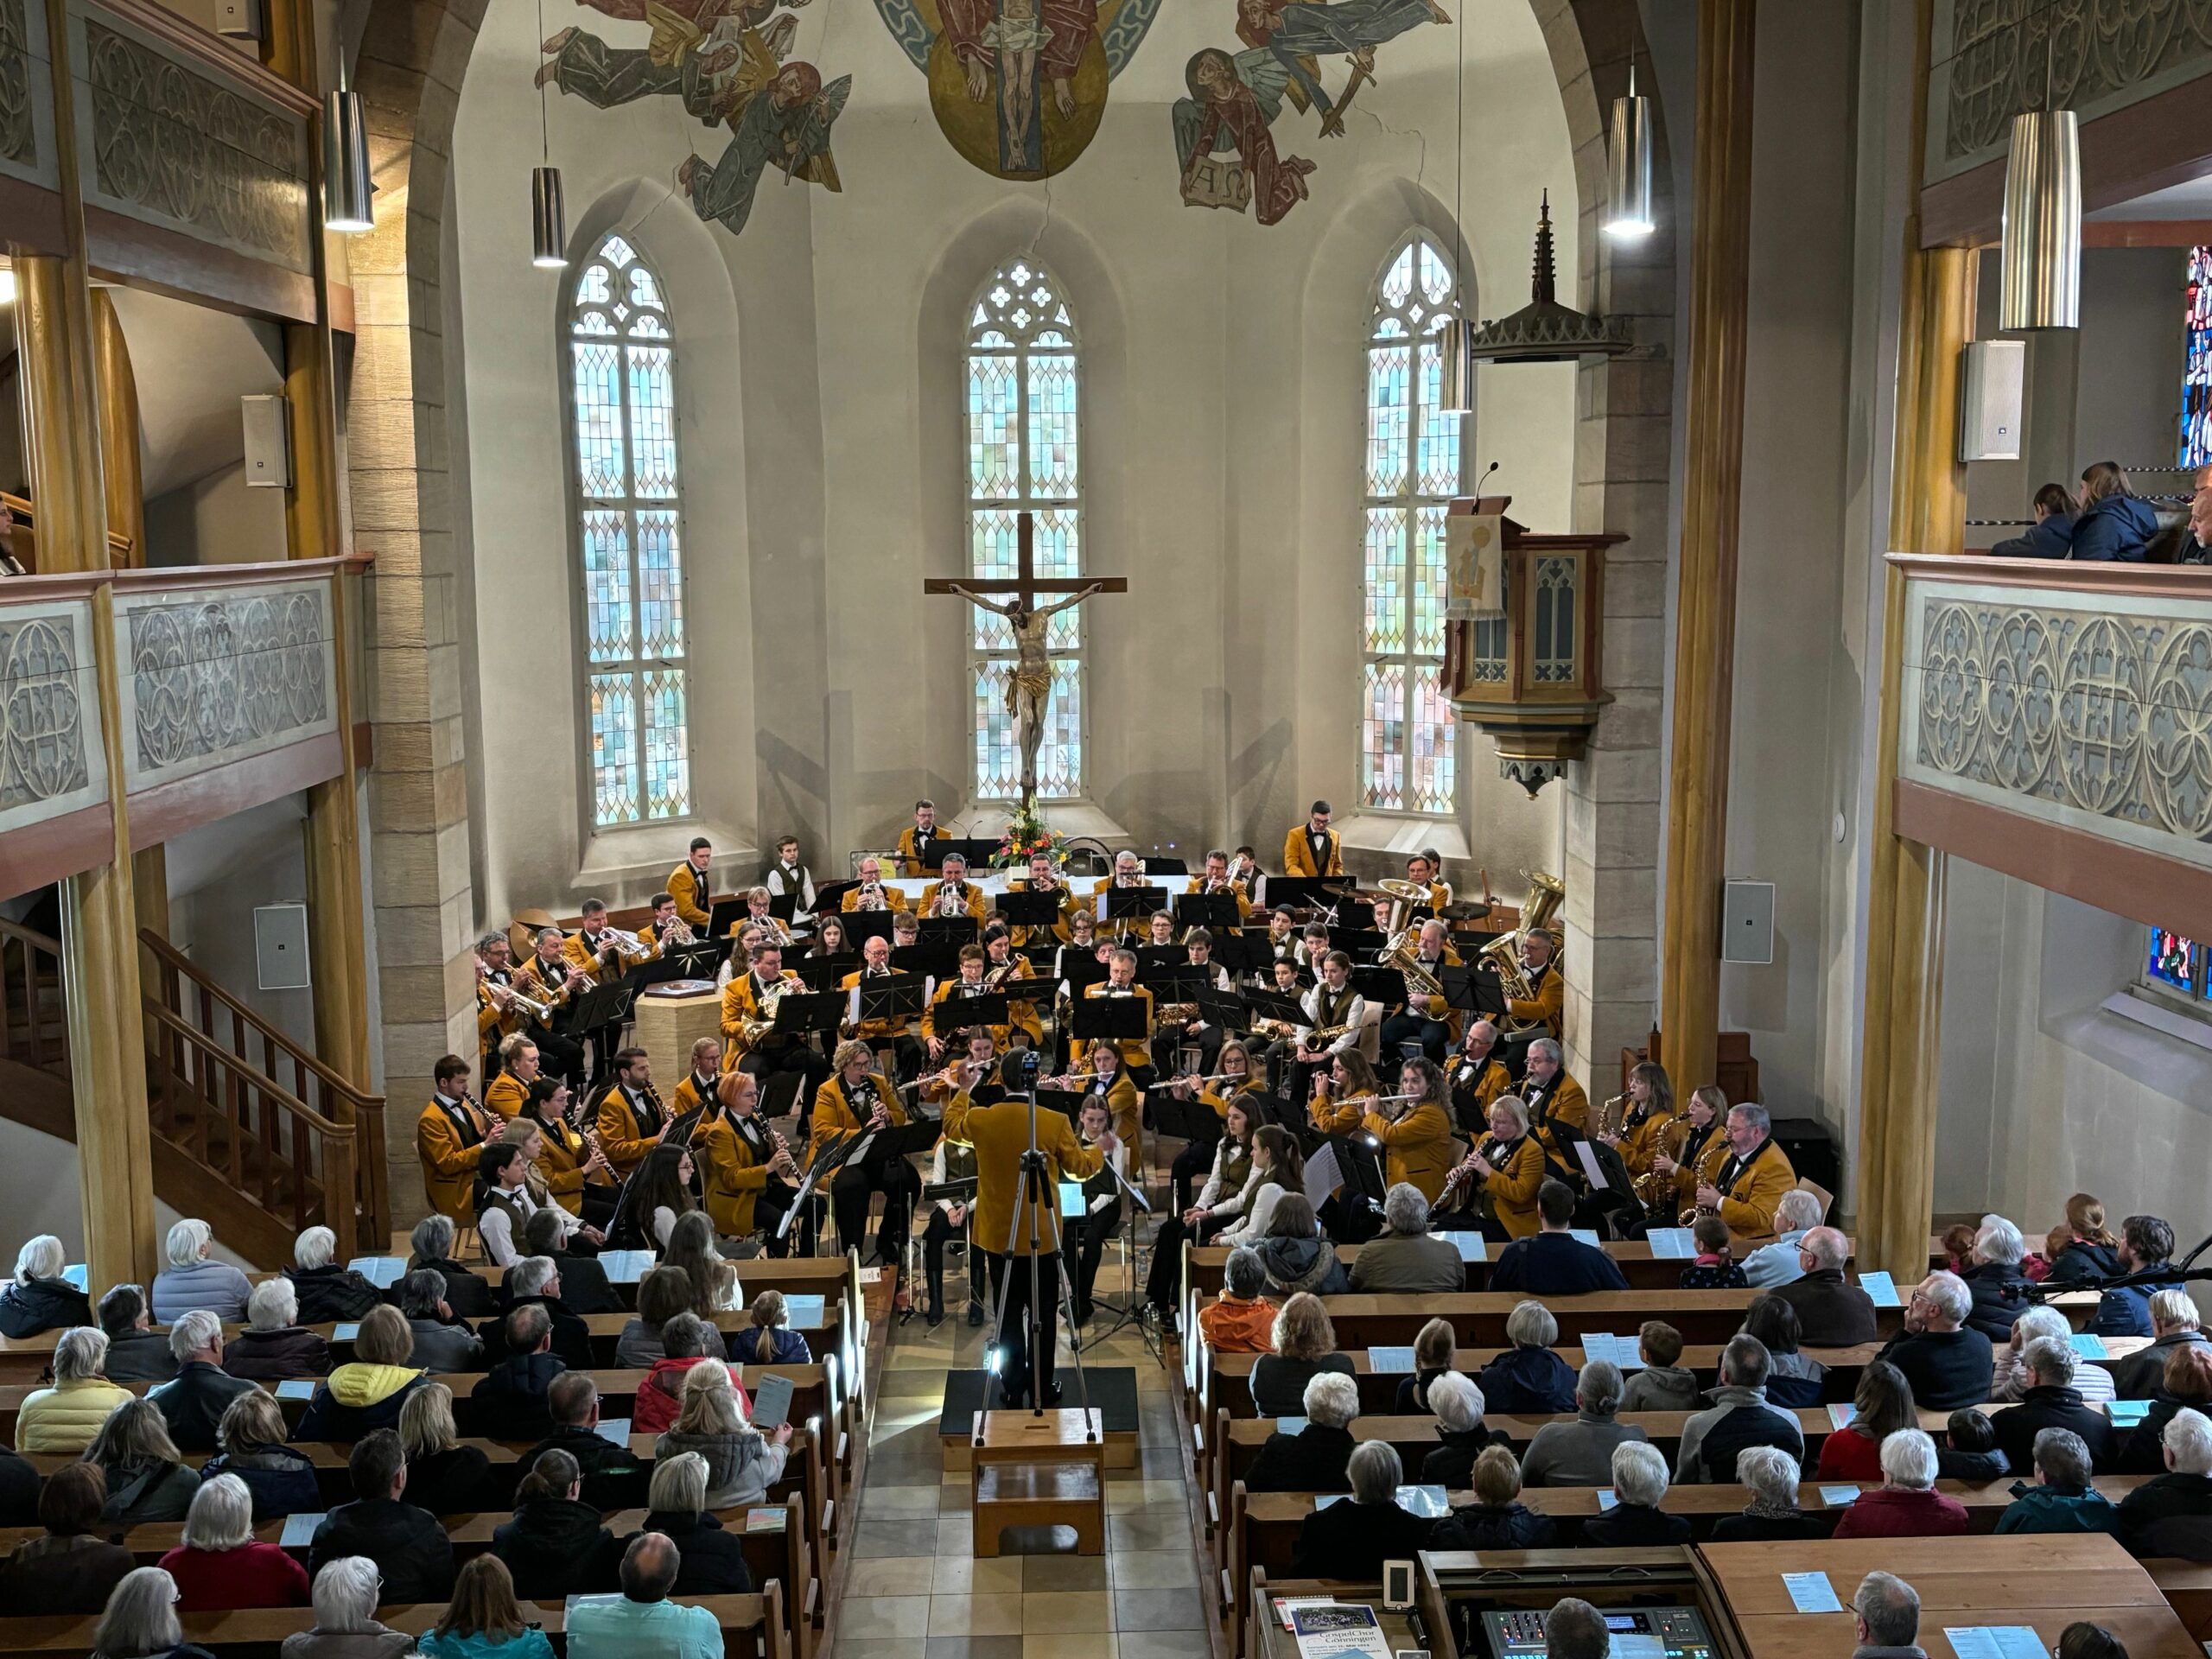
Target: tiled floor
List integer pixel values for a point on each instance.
(914, 1589)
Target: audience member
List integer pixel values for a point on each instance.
(550, 1232)
(662, 1295)
(1240, 1320)
(2175, 1323)
(219, 1565)
(1886, 1612)
(147, 1480)
(1832, 1312)
(555, 1545)
(1969, 1451)
(2093, 1383)
(1949, 1364)
(1793, 1379)
(770, 1340)
(2063, 1500)
(2053, 535)
(642, 1619)
(1662, 1383)
(443, 1344)
(366, 1393)
(2080, 1639)
(1581, 1453)
(430, 1250)
(1881, 1405)
(2114, 522)
(2146, 1245)
(612, 1476)
(1738, 1417)
(1796, 1214)
(327, 1291)
(64, 1418)
(39, 1299)
(534, 1282)
(2090, 1252)
(408, 1545)
(2186, 1385)
(684, 1339)
(1772, 1516)
(1993, 1279)
(1575, 1630)
(485, 1621)
(1351, 1539)
(1906, 1505)
(714, 1558)
(1436, 1350)
(1639, 1481)
(71, 1568)
(1405, 1258)
(1295, 1254)
(1461, 1438)
(135, 1351)
(1315, 1457)
(193, 1279)
(346, 1597)
(1715, 1267)
(715, 1289)
(18, 1489)
(140, 1621)
(1528, 1377)
(443, 1475)
(741, 1463)
(513, 1393)
(1550, 1261)
(275, 1347)
(2172, 1514)
(1497, 1519)
(1305, 1346)
(2051, 1402)
(251, 1450)
(193, 1402)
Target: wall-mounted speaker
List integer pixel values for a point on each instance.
(238, 19)
(1747, 922)
(280, 947)
(268, 441)
(1990, 394)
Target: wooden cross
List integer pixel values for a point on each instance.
(1025, 586)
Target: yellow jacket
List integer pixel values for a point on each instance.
(1136, 1050)
(729, 1173)
(1333, 1116)
(1513, 1188)
(1059, 928)
(577, 952)
(834, 1117)
(560, 1164)
(1703, 1168)
(971, 901)
(1569, 1105)
(1641, 1142)
(1234, 889)
(542, 983)
(872, 1031)
(450, 1160)
(910, 853)
(625, 1140)
(493, 1022)
(1435, 1007)
(1417, 1148)
(687, 1097)
(1298, 855)
(1545, 1006)
(689, 890)
(1747, 1202)
(507, 1097)
(999, 1134)
(62, 1420)
(1492, 1082)
(893, 898)
(740, 1003)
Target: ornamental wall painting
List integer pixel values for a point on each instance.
(1019, 86)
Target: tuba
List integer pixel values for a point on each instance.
(1545, 894)
(1404, 895)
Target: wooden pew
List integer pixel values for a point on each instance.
(2187, 1586)
(751, 1624)
(1702, 1316)
(797, 1276)
(1642, 1270)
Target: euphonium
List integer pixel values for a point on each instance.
(1400, 954)
(1545, 894)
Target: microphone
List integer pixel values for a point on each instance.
(1485, 478)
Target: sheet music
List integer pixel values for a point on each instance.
(1322, 1176)
(1591, 1172)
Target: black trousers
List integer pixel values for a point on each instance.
(559, 1057)
(598, 1204)
(853, 1185)
(936, 1235)
(1163, 1283)
(773, 1204)
(1189, 1171)
(1010, 1288)
(1168, 1047)
(605, 1042)
(1432, 1035)
(1082, 1241)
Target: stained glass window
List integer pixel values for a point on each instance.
(1414, 469)
(630, 537)
(2196, 383)
(1024, 415)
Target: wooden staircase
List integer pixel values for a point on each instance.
(248, 1130)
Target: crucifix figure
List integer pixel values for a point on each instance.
(1029, 687)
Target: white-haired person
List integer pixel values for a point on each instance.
(275, 1347)
(1639, 1481)
(38, 1299)
(713, 1556)
(328, 1290)
(1406, 1259)
(1948, 1364)
(1771, 1476)
(742, 1463)
(347, 1591)
(1315, 1458)
(1581, 1453)
(64, 1418)
(1906, 1505)
(1353, 1538)
(219, 1565)
(2052, 1401)
(2096, 1383)
(193, 1402)
(141, 1623)
(1886, 1613)
(2172, 1514)
(2001, 1292)
(1461, 1435)
(147, 1479)
(1529, 1376)
(1796, 1214)
(2061, 1500)
(194, 1278)
(2175, 1323)
(1575, 1630)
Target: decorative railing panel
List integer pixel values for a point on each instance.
(1991, 60)
(211, 676)
(52, 760)
(166, 137)
(26, 94)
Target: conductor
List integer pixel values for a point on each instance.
(999, 1135)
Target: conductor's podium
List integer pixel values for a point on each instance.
(1038, 1469)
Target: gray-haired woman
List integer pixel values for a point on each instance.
(346, 1592)
(140, 1622)
(1581, 1453)
(220, 1565)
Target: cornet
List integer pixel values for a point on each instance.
(869, 896)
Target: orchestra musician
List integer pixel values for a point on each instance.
(1312, 849)
(687, 884)
(854, 1102)
(697, 1089)
(1136, 1051)
(1416, 1134)
(666, 928)
(1004, 970)
(734, 965)
(1334, 1013)
(1104, 1078)
(746, 999)
(923, 829)
(504, 1201)
(757, 914)
(1426, 1020)
(1696, 1163)
(550, 978)
(1421, 871)
(1538, 952)
(1282, 934)
(1558, 1112)
(452, 1130)
(951, 1161)
(944, 1019)
(1244, 871)
(1506, 1168)
(872, 893)
(1045, 877)
(1312, 946)
(954, 894)
(788, 877)
(1160, 929)
(1083, 1239)
(977, 1072)
(829, 940)
(629, 1118)
(508, 1096)
(1439, 890)
(1751, 1180)
(1275, 1041)
(1477, 1075)
(747, 1170)
(498, 1014)
(1343, 1094)
(1225, 1200)
(1650, 1125)
(1216, 879)
(569, 1164)
(898, 1035)
(594, 950)
(1232, 1080)
(1128, 872)
(1176, 1032)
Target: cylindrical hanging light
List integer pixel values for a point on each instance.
(2042, 250)
(548, 219)
(1630, 212)
(1455, 387)
(347, 207)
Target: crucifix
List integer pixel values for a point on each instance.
(1029, 688)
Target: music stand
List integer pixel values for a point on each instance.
(603, 1005)
(1359, 1160)
(897, 997)
(801, 1014)
(977, 851)
(724, 913)
(1473, 991)
(1307, 892)
(778, 1096)
(1113, 1019)
(1377, 984)
(1082, 970)
(1184, 1120)
(1133, 1311)
(783, 906)
(937, 961)
(1151, 958)
(823, 973)
(1214, 912)
(829, 897)
(1274, 1004)
(1068, 1102)
(989, 1009)
(861, 926)
(955, 931)
(1358, 941)
(1022, 908)
(697, 960)
(1164, 864)
(1132, 904)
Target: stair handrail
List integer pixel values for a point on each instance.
(249, 1072)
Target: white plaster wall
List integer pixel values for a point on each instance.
(217, 519)
(39, 1194)
(217, 874)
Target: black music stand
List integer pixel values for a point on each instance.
(978, 851)
(1082, 971)
(937, 961)
(801, 1014)
(698, 960)
(830, 896)
(1112, 1018)
(1308, 892)
(955, 931)
(1274, 1004)
(1377, 984)
(823, 973)
(896, 997)
(1022, 908)
(1214, 912)
(963, 1011)
(1473, 991)
(1164, 864)
(1151, 958)
(1185, 1120)
(1133, 904)
(861, 926)
(1358, 941)
(725, 912)
(1068, 1102)
(603, 1005)
(783, 906)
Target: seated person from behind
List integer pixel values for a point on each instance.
(642, 1620)
(1881, 1405)
(1906, 1505)
(409, 1545)
(250, 1442)
(443, 1475)
(1497, 1519)
(584, 1286)
(193, 1279)
(193, 1402)
(714, 1557)
(2146, 1245)
(2051, 1402)
(135, 1351)
(770, 1340)
(64, 1418)
(366, 1393)
(1529, 1376)
(2172, 1514)
(39, 1299)
(1240, 1320)
(1885, 1616)
(1436, 1354)
(2052, 537)
(2175, 1323)
(218, 1564)
(2063, 1500)
(485, 1620)
(516, 1390)
(1406, 1258)
(1969, 1450)
(1663, 1383)
(1715, 1268)
(1317, 1457)
(1738, 1417)
(442, 1343)
(275, 1346)
(72, 1567)
(327, 1291)
(1575, 1630)
(1772, 1515)
(1305, 1346)
(1581, 1453)
(555, 1545)
(1352, 1539)
(1639, 1478)
(147, 1479)
(1461, 1435)
(431, 1245)
(1948, 1364)
(1831, 1311)
(614, 1478)
(1550, 1261)
(1783, 1263)
(2115, 523)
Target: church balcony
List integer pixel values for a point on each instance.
(2054, 723)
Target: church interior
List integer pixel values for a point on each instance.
(1234, 829)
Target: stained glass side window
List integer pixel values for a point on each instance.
(630, 540)
(1414, 468)
(2196, 381)
(1023, 428)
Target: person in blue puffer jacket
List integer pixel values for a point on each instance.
(2115, 523)
(2053, 536)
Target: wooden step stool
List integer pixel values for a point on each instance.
(1038, 1470)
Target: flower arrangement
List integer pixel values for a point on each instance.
(1026, 836)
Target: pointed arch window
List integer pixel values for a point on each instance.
(1024, 416)
(629, 540)
(1413, 468)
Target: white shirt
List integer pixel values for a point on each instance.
(799, 881)
(496, 1230)
(1354, 1015)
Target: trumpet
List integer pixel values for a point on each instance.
(869, 896)
(951, 900)
(508, 997)
(678, 932)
